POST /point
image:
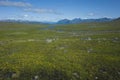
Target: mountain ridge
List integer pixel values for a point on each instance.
(63, 21)
(79, 20)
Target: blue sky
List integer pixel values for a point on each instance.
(54, 10)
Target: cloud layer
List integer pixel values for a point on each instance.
(28, 7)
(39, 10)
(14, 4)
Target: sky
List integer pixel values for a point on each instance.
(54, 10)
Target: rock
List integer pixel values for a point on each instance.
(11, 75)
(99, 41)
(104, 39)
(36, 77)
(76, 75)
(116, 38)
(96, 78)
(89, 39)
(103, 70)
(49, 40)
(1, 43)
(14, 75)
(90, 50)
(119, 72)
(61, 48)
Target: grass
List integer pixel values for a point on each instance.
(67, 52)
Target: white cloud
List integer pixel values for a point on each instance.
(39, 10)
(25, 16)
(107, 16)
(15, 4)
(91, 14)
(28, 7)
(85, 18)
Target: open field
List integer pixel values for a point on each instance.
(87, 51)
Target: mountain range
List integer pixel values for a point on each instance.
(78, 20)
(63, 21)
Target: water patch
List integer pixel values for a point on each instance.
(48, 28)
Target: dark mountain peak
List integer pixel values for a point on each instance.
(79, 20)
(64, 21)
(118, 19)
(76, 20)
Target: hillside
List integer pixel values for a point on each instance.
(64, 52)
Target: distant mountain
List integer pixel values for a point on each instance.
(64, 21)
(117, 19)
(78, 20)
(97, 20)
(25, 21)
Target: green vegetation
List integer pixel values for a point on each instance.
(87, 51)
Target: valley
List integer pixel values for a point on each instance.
(85, 51)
